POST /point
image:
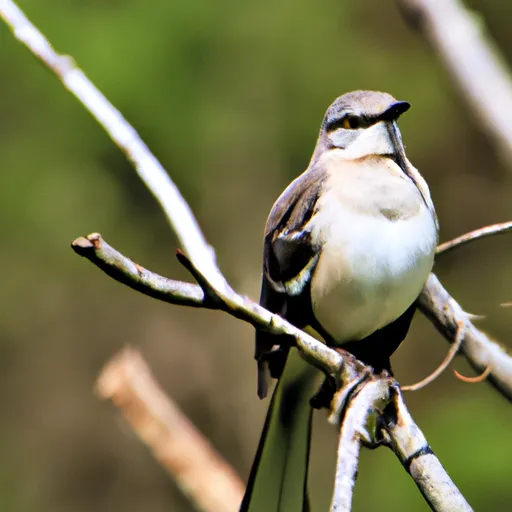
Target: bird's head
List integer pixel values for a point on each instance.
(364, 123)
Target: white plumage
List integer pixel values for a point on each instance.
(378, 250)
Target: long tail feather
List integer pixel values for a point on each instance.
(278, 478)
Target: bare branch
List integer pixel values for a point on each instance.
(481, 352)
(202, 474)
(411, 447)
(124, 270)
(435, 302)
(178, 212)
(357, 427)
(124, 135)
(112, 262)
(477, 234)
(479, 71)
(156, 179)
(474, 62)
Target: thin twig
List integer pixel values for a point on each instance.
(473, 380)
(202, 474)
(124, 270)
(473, 60)
(411, 447)
(477, 234)
(450, 356)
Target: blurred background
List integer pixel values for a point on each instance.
(229, 95)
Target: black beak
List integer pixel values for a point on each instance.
(396, 139)
(390, 116)
(395, 110)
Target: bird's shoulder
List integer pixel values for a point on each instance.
(296, 205)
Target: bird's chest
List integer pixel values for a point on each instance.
(372, 266)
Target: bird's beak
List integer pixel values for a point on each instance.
(398, 146)
(390, 116)
(395, 110)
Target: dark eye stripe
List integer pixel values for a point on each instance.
(354, 122)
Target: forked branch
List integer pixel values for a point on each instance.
(435, 302)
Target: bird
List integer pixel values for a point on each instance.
(348, 247)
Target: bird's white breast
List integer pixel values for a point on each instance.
(372, 267)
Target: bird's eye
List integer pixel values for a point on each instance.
(351, 122)
(347, 122)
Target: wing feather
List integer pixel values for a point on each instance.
(289, 258)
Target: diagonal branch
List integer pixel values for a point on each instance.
(181, 449)
(474, 62)
(480, 350)
(124, 270)
(435, 302)
(410, 446)
(148, 168)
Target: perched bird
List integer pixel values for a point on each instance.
(348, 248)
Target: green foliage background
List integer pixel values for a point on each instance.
(229, 95)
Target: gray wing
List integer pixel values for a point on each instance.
(289, 257)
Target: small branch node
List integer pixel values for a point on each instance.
(344, 394)
(96, 239)
(81, 245)
(211, 297)
(474, 317)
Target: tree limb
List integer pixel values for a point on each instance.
(124, 270)
(357, 427)
(434, 302)
(474, 62)
(96, 250)
(480, 350)
(201, 473)
(410, 446)
(148, 168)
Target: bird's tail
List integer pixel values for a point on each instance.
(278, 478)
